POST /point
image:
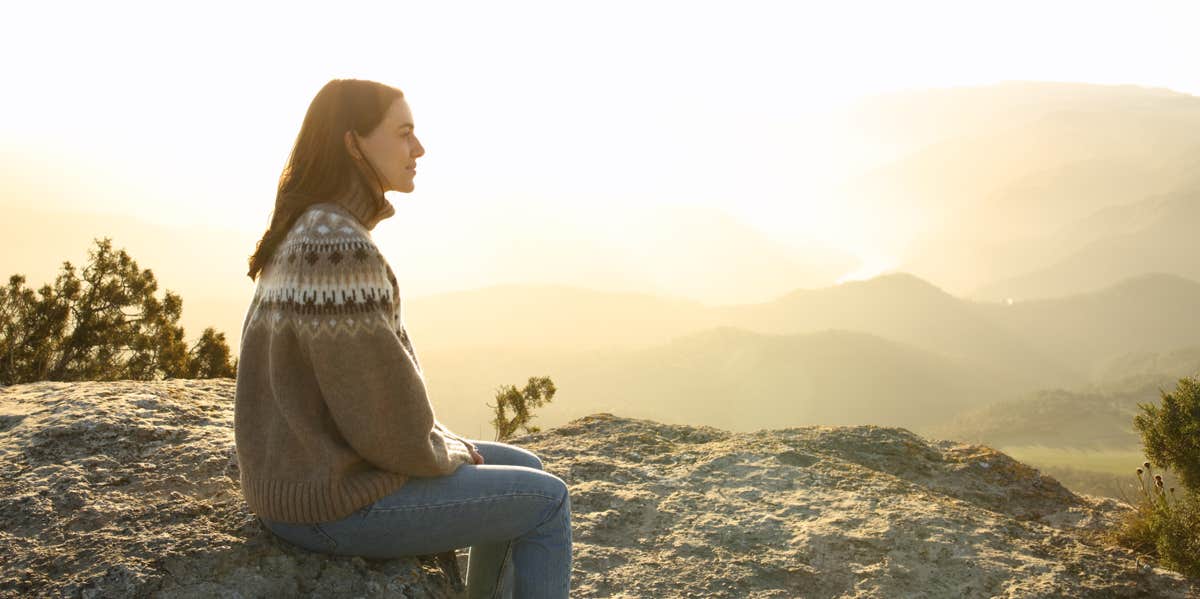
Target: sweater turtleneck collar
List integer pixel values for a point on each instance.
(362, 199)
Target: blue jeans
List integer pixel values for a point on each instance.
(515, 517)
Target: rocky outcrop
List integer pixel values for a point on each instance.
(858, 511)
(129, 489)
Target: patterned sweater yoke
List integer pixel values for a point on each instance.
(331, 410)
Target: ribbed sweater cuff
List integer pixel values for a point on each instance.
(307, 502)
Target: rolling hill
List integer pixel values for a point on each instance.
(1154, 235)
(824, 377)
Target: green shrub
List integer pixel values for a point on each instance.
(1171, 432)
(538, 391)
(1165, 524)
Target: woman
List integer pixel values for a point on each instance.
(339, 449)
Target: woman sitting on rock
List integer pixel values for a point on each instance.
(338, 446)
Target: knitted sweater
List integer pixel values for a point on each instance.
(331, 408)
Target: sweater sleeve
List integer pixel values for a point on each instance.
(449, 433)
(371, 386)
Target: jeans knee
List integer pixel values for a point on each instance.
(524, 457)
(510, 455)
(560, 510)
(561, 490)
(535, 462)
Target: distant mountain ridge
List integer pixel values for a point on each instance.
(1153, 235)
(893, 350)
(1000, 166)
(1148, 312)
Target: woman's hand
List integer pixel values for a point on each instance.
(475, 455)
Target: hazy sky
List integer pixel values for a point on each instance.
(187, 115)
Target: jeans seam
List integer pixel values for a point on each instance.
(377, 509)
(332, 543)
(497, 588)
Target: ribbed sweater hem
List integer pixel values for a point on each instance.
(317, 501)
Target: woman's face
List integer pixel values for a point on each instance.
(392, 148)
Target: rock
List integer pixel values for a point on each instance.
(130, 489)
(860, 511)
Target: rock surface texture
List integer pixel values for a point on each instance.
(129, 489)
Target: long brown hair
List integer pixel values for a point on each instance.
(319, 167)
